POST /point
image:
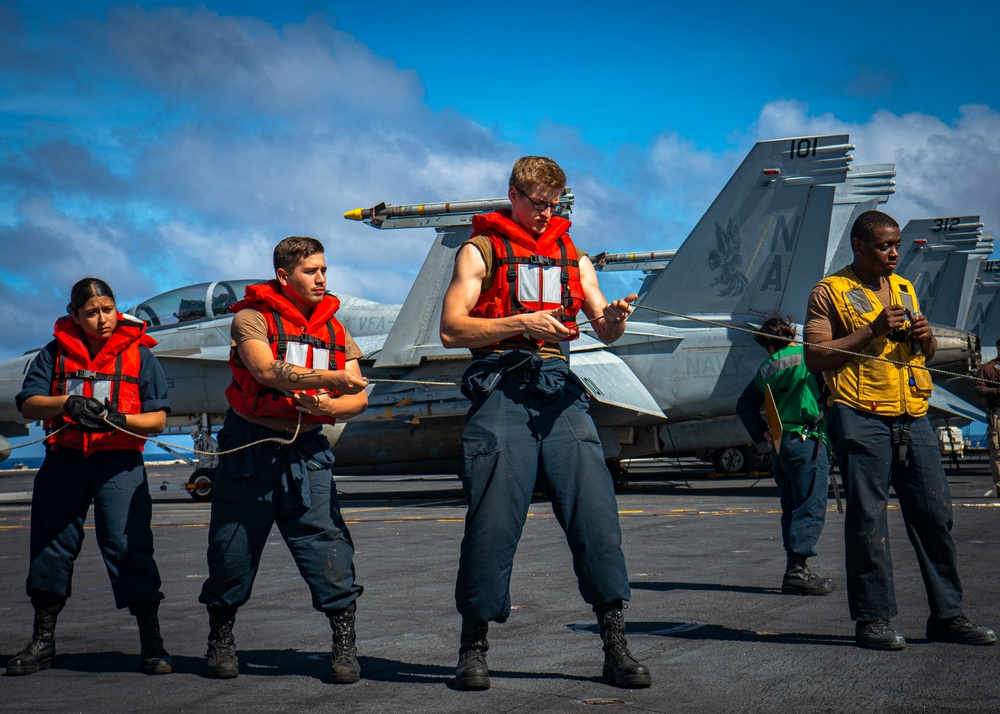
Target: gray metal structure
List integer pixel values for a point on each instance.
(941, 258)
(669, 386)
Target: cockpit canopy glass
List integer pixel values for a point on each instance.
(193, 303)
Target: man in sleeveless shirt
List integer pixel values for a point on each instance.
(517, 287)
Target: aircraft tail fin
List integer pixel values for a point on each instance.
(941, 257)
(984, 312)
(865, 188)
(762, 244)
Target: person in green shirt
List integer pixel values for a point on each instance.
(800, 461)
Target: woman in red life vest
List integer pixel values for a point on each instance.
(96, 377)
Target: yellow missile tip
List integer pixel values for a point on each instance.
(354, 215)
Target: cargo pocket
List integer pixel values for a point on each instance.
(920, 382)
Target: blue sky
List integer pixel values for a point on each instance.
(160, 144)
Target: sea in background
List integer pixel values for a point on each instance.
(31, 463)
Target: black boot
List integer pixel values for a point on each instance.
(800, 580)
(472, 672)
(344, 667)
(221, 657)
(620, 667)
(42, 649)
(153, 659)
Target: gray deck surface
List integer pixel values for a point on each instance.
(705, 562)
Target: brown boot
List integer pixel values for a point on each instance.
(41, 651)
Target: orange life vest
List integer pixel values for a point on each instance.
(316, 342)
(112, 374)
(532, 274)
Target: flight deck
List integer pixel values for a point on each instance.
(707, 616)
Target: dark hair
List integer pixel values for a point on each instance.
(86, 289)
(779, 332)
(869, 222)
(292, 249)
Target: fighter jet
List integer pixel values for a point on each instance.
(984, 316)
(668, 386)
(191, 326)
(941, 258)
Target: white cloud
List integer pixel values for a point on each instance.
(194, 142)
(942, 169)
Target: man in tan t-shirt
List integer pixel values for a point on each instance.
(294, 368)
(877, 417)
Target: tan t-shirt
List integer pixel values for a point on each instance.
(485, 247)
(249, 324)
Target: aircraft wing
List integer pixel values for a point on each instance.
(944, 401)
(618, 398)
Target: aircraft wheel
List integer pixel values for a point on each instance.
(761, 461)
(200, 484)
(731, 460)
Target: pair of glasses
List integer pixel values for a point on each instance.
(540, 206)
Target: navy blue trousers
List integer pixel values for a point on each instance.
(862, 443)
(802, 472)
(291, 486)
(65, 486)
(514, 435)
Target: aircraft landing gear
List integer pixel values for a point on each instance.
(202, 480)
(200, 484)
(731, 460)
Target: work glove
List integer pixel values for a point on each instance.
(114, 416)
(86, 413)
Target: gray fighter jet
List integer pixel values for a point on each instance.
(668, 386)
(762, 245)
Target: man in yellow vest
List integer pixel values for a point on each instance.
(881, 436)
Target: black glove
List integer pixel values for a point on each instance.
(86, 413)
(114, 416)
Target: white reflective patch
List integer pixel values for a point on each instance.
(321, 358)
(75, 386)
(297, 354)
(102, 391)
(536, 283)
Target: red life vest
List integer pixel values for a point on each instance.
(532, 274)
(112, 374)
(295, 339)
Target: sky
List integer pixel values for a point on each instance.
(160, 144)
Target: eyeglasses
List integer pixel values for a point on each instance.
(540, 206)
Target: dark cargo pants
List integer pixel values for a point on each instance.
(65, 486)
(513, 435)
(802, 472)
(291, 486)
(863, 444)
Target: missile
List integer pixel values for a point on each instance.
(436, 214)
(649, 260)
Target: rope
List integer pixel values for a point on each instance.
(714, 323)
(168, 446)
(413, 381)
(862, 355)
